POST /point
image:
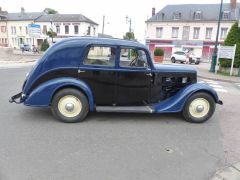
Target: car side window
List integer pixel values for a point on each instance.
(133, 58)
(101, 56)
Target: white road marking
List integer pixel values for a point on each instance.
(220, 90)
(215, 86)
(212, 82)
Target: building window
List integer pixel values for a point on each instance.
(175, 32)
(159, 32)
(177, 16)
(26, 30)
(58, 29)
(226, 15)
(209, 33)
(3, 29)
(197, 15)
(94, 31)
(66, 29)
(76, 29)
(89, 30)
(223, 33)
(44, 31)
(13, 30)
(196, 32)
(20, 29)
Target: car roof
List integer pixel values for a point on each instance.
(85, 40)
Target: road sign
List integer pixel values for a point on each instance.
(34, 30)
(227, 52)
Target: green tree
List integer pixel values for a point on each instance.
(50, 11)
(45, 45)
(51, 34)
(233, 38)
(129, 36)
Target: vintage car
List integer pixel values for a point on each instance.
(80, 75)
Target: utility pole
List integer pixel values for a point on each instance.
(130, 23)
(214, 56)
(103, 24)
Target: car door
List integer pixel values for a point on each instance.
(182, 56)
(98, 71)
(133, 77)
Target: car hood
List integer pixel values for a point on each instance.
(174, 68)
(194, 56)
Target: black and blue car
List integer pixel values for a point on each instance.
(78, 75)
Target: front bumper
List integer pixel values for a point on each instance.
(220, 102)
(18, 98)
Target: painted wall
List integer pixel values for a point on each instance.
(167, 29)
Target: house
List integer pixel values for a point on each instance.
(3, 28)
(191, 27)
(16, 28)
(66, 25)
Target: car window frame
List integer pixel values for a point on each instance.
(133, 67)
(87, 49)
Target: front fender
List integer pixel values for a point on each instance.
(176, 102)
(42, 95)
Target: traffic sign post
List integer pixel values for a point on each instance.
(227, 52)
(34, 31)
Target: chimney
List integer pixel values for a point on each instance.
(153, 11)
(22, 10)
(234, 4)
(0, 9)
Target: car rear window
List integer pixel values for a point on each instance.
(101, 56)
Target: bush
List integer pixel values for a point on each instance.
(233, 38)
(45, 45)
(158, 52)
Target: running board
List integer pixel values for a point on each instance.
(125, 109)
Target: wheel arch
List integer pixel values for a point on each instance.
(177, 102)
(70, 86)
(43, 94)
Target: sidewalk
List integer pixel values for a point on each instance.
(229, 173)
(203, 72)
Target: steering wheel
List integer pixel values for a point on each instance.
(133, 62)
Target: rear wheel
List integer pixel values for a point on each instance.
(70, 105)
(173, 59)
(199, 108)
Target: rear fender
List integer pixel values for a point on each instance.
(177, 102)
(42, 95)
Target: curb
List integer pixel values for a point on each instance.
(219, 79)
(231, 172)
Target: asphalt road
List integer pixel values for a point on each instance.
(34, 146)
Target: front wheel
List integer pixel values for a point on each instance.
(70, 105)
(173, 59)
(199, 108)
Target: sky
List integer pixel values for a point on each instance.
(115, 12)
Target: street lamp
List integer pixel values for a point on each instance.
(214, 56)
(130, 23)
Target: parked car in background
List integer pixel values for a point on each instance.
(181, 56)
(76, 75)
(25, 47)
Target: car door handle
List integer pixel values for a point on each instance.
(80, 71)
(149, 74)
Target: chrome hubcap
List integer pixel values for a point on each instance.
(69, 107)
(200, 108)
